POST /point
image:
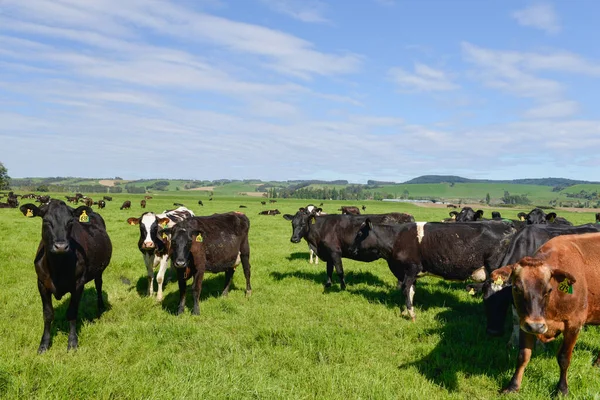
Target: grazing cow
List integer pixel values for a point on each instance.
(497, 294)
(147, 197)
(364, 208)
(452, 251)
(101, 204)
(107, 198)
(178, 204)
(272, 201)
(74, 250)
(5, 205)
(143, 203)
(451, 206)
(88, 201)
(43, 199)
(263, 203)
(126, 205)
(243, 206)
(71, 199)
(12, 200)
(269, 212)
(598, 218)
(330, 236)
(154, 246)
(538, 216)
(200, 203)
(350, 210)
(225, 245)
(555, 291)
(28, 196)
(210, 199)
(321, 205)
(468, 214)
(78, 196)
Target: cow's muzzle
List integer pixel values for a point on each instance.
(60, 247)
(180, 263)
(148, 245)
(534, 327)
(295, 240)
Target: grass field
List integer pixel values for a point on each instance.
(290, 339)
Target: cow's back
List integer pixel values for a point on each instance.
(95, 248)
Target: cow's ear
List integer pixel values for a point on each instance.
(453, 214)
(133, 221)
(164, 221)
(318, 210)
(501, 275)
(83, 213)
(479, 213)
(302, 209)
(166, 231)
(522, 216)
(551, 217)
(288, 217)
(197, 235)
(31, 210)
(560, 276)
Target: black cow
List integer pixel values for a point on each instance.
(12, 200)
(107, 198)
(538, 216)
(5, 205)
(225, 246)
(497, 296)
(263, 203)
(243, 206)
(332, 235)
(43, 199)
(74, 250)
(143, 203)
(270, 212)
(101, 204)
(496, 215)
(452, 251)
(468, 214)
(178, 205)
(364, 208)
(598, 218)
(200, 203)
(126, 205)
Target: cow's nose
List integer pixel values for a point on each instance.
(148, 245)
(179, 263)
(60, 247)
(535, 327)
(294, 240)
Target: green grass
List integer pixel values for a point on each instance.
(290, 339)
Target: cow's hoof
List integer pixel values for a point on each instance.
(327, 285)
(248, 293)
(510, 389)
(72, 345)
(42, 349)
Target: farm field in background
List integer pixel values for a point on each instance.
(290, 339)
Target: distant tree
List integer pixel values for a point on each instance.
(118, 178)
(4, 178)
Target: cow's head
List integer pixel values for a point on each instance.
(182, 240)
(364, 231)
(57, 223)
(468, 214)
(150, 237)
(301, 222)
(533, 282)
(496, 215)
(537, 216)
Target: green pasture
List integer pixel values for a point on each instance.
(290, 340)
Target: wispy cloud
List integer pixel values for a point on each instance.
(423, 79)
(541, 16)
(554, 110)
(302, 10)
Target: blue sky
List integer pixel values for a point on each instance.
(300, 89)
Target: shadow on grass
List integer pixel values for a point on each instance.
(299, 256)
(321, 277)
(464, 349)
(87, 313)
(212, 286)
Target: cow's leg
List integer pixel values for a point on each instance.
(72, 312)
(339, 269)
(514, 337)
(48, 317)
(149, 261)
(310, 252)
(316, 259)
(164, 263)
(564, 357)
(228, 278)
(98, 283)
(526, 343)
(182, 288)
(197, 288)
(408, 289)
(329, 273)
(245, 259)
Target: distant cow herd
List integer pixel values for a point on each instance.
(539, 264)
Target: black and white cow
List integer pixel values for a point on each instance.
(452, 251)
(497, 295)
(155, 248)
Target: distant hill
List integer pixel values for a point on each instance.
(562, 182)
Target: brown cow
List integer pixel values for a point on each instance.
(126, 205)
(555, 291)
(350, 210)
(143, 203)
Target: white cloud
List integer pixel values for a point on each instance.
(303, 10)
(559, 109)
(424, 79)
(540, 16)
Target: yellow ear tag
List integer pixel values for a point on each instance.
(313, 220)
(29, 213)
(565, 287)
(131, 223)
(84, 217)
(522, 218)
(472, 292)
(199, 238)
(499, 281)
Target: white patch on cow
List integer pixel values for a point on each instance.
(479, 275)
(147, 220)
(495, 287)
(411, 293)
(164, 263)
(420, 231)
(238, 260)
